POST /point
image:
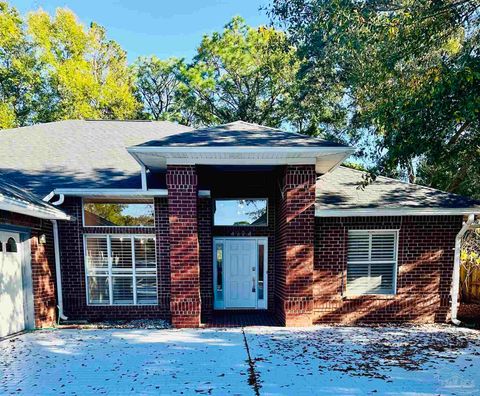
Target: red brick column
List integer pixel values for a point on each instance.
(182, 184)
(296, 235)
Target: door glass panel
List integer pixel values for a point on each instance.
(261, 268)
(219, 269)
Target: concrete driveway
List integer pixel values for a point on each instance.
(427, 360)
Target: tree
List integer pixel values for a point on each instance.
(158, 87)
(242, 73)
(88, 75)
(409, 73)
(19, 71)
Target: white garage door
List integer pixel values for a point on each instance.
(12, 316)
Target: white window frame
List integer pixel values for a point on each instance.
(109, 274)
(395, 232)
(120, 200)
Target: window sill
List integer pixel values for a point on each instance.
(123, 305)
(369, 297)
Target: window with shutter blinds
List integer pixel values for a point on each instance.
(121, 270)
(371, 262)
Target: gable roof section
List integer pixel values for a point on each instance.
(338, 195)
(77, 153)
(15, 199)
(239, 134)
(240, 143)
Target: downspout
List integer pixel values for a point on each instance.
(456, 268)
(58, 274)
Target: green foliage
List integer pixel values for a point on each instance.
(158, 88)
(54, 68)
(242, 73)
(88, 75)
(20, 79)
(409, 74)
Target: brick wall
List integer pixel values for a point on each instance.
(73, 266)
(42, 264)
(206, 258)
(234, 184)
(295, 247)
(425, 264)
(182, 184)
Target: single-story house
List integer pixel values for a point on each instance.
(164, 221)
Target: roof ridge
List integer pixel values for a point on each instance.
(99, 120)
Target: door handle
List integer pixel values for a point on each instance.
(253, 284)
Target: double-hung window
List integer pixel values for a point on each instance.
(121, 270)
(372, 262)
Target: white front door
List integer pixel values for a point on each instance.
(240, 273)
(12, 316)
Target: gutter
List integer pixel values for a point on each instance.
(29, 209)
(456, 269)
(378, 212)
(111, 193)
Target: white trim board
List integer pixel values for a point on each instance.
(116, 192)
(10, 205)
(187, 150)
(395, 212)
(324, 158)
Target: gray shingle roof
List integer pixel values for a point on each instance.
(239, 134)
(77, 153)
(13, 194)
(339, 190)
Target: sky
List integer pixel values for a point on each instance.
(163, 27)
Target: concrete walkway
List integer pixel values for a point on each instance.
(427, 360)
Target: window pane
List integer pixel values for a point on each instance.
(261, 267)
(98, 290)
(145, 257)
(114, 214)
(357, 278)
(122, 290)
(383, 247)
(381, 278)
(146, 289)
(121, 253)
(219, 257)
(97, 253)
(371, 262)
(358, 246)
(11, 246)
(240, 212)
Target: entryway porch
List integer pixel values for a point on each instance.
(242, 318)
